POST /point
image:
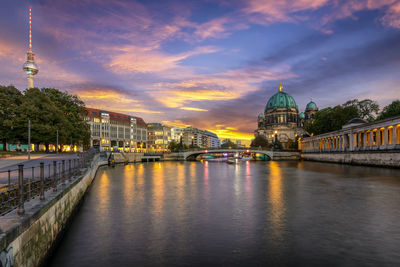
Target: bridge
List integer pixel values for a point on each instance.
(184, 155)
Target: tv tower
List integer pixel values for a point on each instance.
(30, 68)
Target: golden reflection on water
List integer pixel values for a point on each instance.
(158, 189)
(275, 196)
(104, 194)
(128, 186)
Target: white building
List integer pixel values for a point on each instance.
(110, 129)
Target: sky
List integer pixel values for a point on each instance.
(208, 64)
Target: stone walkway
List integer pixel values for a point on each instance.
(10, 161)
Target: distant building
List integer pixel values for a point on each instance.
(203, 138)
(176, 133)
(281, 120)
(158, 137)
(110, 129)
(212, 140)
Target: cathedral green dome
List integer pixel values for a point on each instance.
(301, 116)
(281, 100)
(311, 105)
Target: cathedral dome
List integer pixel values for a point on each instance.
(261, 116)
(281, 100)
(311, 106)
(301, 116)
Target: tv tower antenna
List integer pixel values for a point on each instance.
(30, 67)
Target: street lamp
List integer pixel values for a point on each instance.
(276, 137)
(192, 142)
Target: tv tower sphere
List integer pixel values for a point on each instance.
(30, 67)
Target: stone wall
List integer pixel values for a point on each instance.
(26, 240)
(377, 158)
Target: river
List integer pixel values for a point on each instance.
(249, 214)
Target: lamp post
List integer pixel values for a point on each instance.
(276, 138)
(57, 144)
(192, 142)
(29, 139)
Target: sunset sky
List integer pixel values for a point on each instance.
(210, 64)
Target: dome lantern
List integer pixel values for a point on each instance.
(281, 100)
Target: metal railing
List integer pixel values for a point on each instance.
(36, 180)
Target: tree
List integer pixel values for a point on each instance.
(390, 110)
(228, 144)
(292, 144)
(76, 130)
(259, 141)
(174, 146)
(366, 109)
(332, 119)
(10, 100)
(45, 118)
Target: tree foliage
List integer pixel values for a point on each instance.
(175, 146)
(48, 110)
(366, 109)
(10, 100)
(332, 119)
(390, 110)
(260, 141)
(229, 144)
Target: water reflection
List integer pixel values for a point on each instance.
(250, 214)
(275, 198)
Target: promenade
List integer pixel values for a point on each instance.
(11, 163)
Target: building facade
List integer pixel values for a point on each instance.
(158, 137)
(111, 130)
(357, 135)
(203, 138)
(281, 120)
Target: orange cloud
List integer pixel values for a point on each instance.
(193, 109)
(279, 11)
(150, 59)
(177, 98)
(228, 85)
(113, 100)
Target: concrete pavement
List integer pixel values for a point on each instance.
(13, 162)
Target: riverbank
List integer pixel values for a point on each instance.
(366, 158)
(25, 240)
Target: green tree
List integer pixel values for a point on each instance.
(332, 119)
(174, 146)
(366, 109)
(10, 100)
(259, 141)
(390, 110)
(76, 130)
(229, 144)
(45, 118)
(292, 144)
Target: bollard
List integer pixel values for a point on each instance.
(41, 181)
(69, 170)
(74, 166)
(63, 172)
(21, 210)
(30, 183)
(54, 176)
(9, 179)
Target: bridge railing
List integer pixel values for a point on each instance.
(36, 180)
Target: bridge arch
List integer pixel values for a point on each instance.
(188, 154)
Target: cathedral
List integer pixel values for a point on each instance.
(281, 119)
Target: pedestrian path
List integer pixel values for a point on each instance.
(11, 161)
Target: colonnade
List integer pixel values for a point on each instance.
(381, 135)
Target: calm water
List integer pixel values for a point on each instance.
(251, 214)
